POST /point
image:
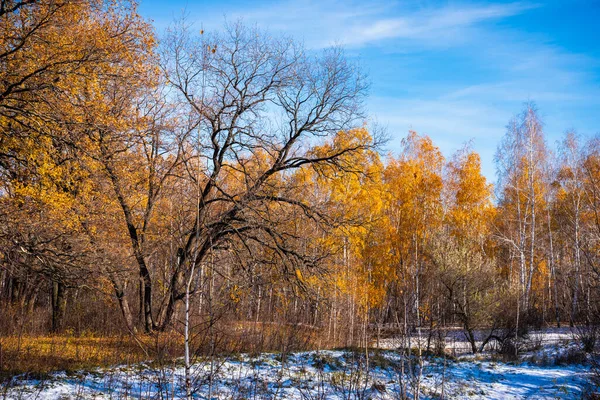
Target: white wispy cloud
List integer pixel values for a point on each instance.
(356, 24)
(438, 25)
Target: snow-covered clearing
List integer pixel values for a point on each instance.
(456, 343)
(539, 374)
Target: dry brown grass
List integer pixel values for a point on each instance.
(39, 355)
(250, 337)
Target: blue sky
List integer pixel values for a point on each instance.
(454, 70)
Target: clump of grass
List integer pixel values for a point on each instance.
(571, 356)
(378, 359)
(320, 361)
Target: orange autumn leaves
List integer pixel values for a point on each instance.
(62, 66)
(394, 208)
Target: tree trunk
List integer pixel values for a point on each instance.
(59, 303)
(123, 303)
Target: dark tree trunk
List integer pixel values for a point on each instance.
(148, 319)
(59, 304)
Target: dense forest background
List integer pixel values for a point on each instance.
(227, 184)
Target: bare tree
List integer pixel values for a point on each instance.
(258, 106)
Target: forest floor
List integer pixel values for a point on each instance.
(557, 370)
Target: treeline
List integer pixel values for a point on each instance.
(230, 177)
(438, 247)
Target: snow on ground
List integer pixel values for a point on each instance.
(456, 341)
(323, 375)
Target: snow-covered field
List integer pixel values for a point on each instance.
(456, 343)
(328, 375)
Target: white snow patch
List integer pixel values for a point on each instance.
(317, 375)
